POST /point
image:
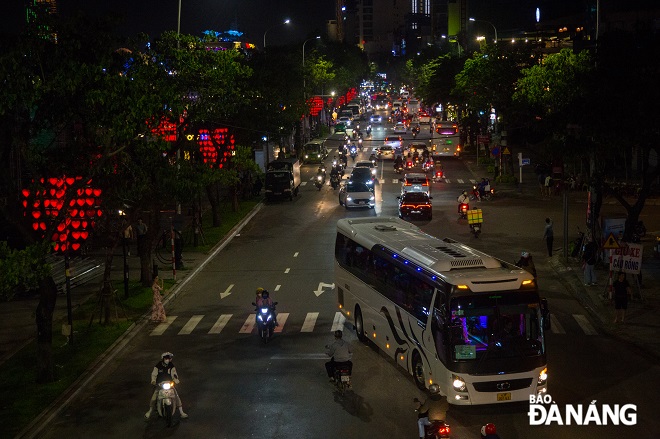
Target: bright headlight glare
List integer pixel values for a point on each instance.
(372, 198)
(458, 383)
(349, 199)
(167, 386)
(543, 376)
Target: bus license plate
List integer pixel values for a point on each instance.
(504, 396)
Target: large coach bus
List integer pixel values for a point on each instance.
(445, 312)
(448, 141)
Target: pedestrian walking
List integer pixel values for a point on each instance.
(548, 185)
(589, 258)
(157, 309)
(548, 235)
(622, 292)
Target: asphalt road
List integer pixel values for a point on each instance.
(234, 386)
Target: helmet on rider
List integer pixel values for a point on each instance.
(464, 192)
(265, 294)
(166, 357)
(524, 255)
(488, 429)
(260, 290)
(338, 334)
(434, 389)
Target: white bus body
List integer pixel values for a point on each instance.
(441, 310)
(447, 142)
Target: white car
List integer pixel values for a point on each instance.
(386, 152)
(346, 121)
(356, 194)
(395, 142)
(376, 118)
(400, 128)
(415, 182)
(367, 164)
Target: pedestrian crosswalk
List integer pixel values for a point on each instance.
(562, 324)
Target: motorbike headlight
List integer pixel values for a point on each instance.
(373, 171)
(349, 198)
(458, 383)
(372, 198)
(261, 319)
(264, 310)
(319, 178)
(167, 386)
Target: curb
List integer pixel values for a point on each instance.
(56, 407)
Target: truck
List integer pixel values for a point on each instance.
(283, 178)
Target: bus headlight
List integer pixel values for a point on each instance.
(458, 383)
(543, 376)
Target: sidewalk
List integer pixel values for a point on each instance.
(642, 324)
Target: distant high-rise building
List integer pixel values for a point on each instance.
(33, 6)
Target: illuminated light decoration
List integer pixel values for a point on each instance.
(164, 128)
(47, 203)
(315, 105)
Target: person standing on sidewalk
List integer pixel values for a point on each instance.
(141, 229)
(622, 291)
(157, 309)
(128, 237)
(548, 235)
(589, 258)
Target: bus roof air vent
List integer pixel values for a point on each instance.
(451, 252)
(385, 228)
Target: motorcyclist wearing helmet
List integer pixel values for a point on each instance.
(433, 409)
(164, 370)
(464, 198)
(489, 431)
(266, 300)
(340, 354)
(527, 263)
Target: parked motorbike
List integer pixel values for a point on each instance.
(639, 231)
(342, 378)
(265, 321)
(576, 245)
(166, 401)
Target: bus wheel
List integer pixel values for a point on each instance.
(418, 371)
(359, 325)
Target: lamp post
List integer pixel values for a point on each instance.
(495, 29)
(178, 26)
(287, 21)
(303, 63)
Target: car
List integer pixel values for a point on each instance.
(400, 128)
(424, 117)
(345, 120)
(340, 128)
(396, 142)
(415, 182)
(415, 204)
(416, 146)
(357, 194)
(386, 152)
(362, 175)
(367, 164)
(376, 118)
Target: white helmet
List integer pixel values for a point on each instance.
(524, 255)
(166, 354)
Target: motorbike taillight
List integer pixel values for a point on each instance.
(443, 431)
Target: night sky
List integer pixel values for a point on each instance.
(254, 17)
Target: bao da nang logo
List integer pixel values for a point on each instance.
(544, 411)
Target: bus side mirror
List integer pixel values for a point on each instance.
(545, 314)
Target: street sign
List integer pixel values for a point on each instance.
(525, 162)
(506, 151)
(483, 139)
(611, 243)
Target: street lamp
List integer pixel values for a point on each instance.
(287, 21)
(303, 63)
(472, 19)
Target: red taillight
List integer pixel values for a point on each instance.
(444, 430)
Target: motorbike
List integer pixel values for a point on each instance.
(369, 131)
(342, 378)
(265, 321)
(437, 430)
(353, 152)
(438, 174)
(475, 193)
(398, 168)
(639, 231)
(334, 181)
(360, 145)
(320, 181)
(576, 245)
(166, 401)
(373, 159)
(409, 164)
(462, 210)
(475, 229)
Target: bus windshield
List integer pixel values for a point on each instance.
(312, 148)
(495, 325)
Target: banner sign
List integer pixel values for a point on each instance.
(627, 259)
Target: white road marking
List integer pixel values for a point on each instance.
(190, 325)
(319, 289)
(248, 326)
(277, 287)
(460, 180)
(158, 330)
(557, 328)
(473, 181)
(303, 183)
(220, 324)
(281, 320)
(310, 322)
(287, 270)
(338, 322)
(295, 255)
(227, 291)
(584, 324)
